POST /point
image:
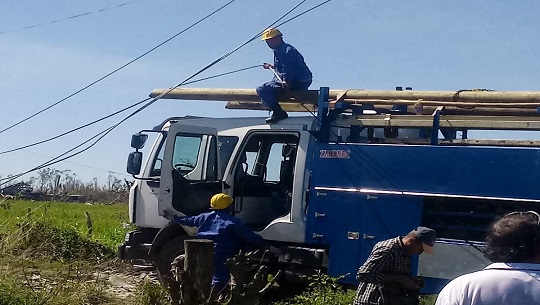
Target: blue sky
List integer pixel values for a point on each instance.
(354, 44)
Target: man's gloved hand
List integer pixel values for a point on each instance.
(268, 66)
(168, 215)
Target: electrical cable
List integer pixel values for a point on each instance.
(59, 158)
(304, 12)
(117, 112)
(12, 178)
(75, 163)
(222, 74)
(108, 130)
(117, 69)
(68, 18)
(75, 129)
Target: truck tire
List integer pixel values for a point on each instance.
(169, 251)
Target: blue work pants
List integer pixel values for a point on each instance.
(268, 91)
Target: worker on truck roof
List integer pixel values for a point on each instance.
(290, 73)
(226, 231)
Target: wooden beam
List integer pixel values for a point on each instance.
(310, 96)
(462, 142)
(445, 121)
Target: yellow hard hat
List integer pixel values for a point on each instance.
(270, 33)
(220, 201)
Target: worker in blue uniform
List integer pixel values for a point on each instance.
(290, 73)
(226, 231)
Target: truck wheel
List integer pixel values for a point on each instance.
(169, 251)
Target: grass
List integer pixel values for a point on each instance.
(48, 257)
(109, 222)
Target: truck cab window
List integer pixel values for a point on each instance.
(226, 147)
(158, 160)
(263, 178)
(194, 172)
(186, 156)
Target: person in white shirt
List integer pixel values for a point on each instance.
(513, 245)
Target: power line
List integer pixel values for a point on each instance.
(71, 162)
(103, 133)
(116, 112)
(74, 129)
(68, 18)
(116, 70)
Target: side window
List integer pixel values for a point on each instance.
(186, 152)
(273, 164)
(158, 161)
(195, 157)
(226, 147)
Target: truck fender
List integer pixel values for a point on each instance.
(168, 232)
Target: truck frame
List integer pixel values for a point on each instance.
(324, 188)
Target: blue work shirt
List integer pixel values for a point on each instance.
(227, 232)
(290, 65)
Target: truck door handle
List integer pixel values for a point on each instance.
(365, 236)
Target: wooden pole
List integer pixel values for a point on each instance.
(198, 271)
(310, 96)
(297, 107)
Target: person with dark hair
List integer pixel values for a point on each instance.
(385, 277)
(513, 245)
(290, 73)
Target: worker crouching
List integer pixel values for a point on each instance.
(226, 231)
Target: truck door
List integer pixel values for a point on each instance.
(190, 173)
(263, 177)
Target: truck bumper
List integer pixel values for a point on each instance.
(129, 252)
(137, 244)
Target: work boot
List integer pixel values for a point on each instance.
(278, 114)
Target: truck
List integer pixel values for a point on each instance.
(362, 166)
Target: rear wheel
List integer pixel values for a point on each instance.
(169, 251)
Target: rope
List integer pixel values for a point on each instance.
(456, 95)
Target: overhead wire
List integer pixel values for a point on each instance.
(74, 129)
(71, 162)
(118, 112)
(68, 18)
(117, 69)
(108, 130)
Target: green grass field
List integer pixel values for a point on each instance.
(109, 222)
(47, 257)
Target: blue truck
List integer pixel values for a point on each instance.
(361, 167)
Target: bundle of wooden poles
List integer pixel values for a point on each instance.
(475, 101)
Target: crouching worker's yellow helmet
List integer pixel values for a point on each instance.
(220, 201)
(270, 33)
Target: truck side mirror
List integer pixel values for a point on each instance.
(138, 140)
(134, 162)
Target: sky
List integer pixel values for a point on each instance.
(348, 44)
